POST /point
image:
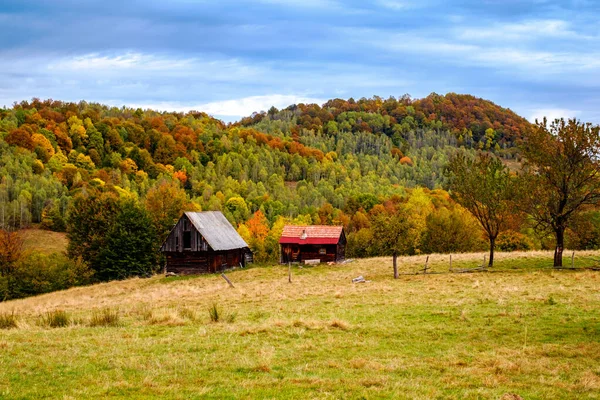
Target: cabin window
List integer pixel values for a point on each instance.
(322, 250)
(176, 242)
(187, 240)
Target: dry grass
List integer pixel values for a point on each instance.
(44, 241)
(483, 335)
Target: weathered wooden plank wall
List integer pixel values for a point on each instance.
(174, 242)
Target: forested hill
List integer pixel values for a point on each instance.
(335, 163)
(467, 117)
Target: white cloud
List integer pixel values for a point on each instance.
(520, 31)
(396, 5)
(552, 113)
(235, 107)
(536, 63)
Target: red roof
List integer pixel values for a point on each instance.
(311, 234)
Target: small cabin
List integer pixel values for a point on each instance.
(204, 242)
(315, 242)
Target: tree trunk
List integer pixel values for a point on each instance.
(492, 248)
(395, 260)
(560, 244)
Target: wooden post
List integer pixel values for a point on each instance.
(395, 261)
(289, 272)
(573, 260)
(450, 262)
(426, 265)
(227, 279)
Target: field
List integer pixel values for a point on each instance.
(44, 241)
(525, 330)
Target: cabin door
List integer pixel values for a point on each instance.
(295, 252)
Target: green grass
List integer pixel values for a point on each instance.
(531, 332)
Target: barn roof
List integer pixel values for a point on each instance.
(216, 230)
(311, 234)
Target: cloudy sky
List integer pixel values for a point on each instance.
(230, 58)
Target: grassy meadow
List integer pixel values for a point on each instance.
(525, 330)
(44, 241)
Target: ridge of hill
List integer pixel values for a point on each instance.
(466, 116)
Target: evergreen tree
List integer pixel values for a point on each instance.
(129, 249)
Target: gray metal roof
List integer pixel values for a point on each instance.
(218, 232)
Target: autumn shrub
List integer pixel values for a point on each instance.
(512, 241)
(37, 273)
(452, 231)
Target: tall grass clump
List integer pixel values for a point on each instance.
(216, 315)
(105, 317)
(55, 319)
(8, 321)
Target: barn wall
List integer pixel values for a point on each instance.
(192, 262)
(174, 242)
(308, 252)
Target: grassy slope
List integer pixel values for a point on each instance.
(45, 241)
(483, 335)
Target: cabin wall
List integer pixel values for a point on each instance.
(203, 262)
(175, 240)
(299, 253)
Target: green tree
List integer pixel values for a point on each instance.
(129, 246)
(90, 218)
(484, 187)
(389, 236)
(562, 175)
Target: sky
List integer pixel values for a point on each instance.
(231, 58)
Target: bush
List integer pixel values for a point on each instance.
(8, 321)
(513, 241)
(55, 319)
(105, 317)
(38, 273)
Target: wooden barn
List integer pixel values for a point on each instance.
(316, 242)
(204, 242)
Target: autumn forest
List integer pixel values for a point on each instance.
(404, 176)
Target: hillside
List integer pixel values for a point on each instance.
(467, 117)
(340, 163)
(342, 150)
(529, 332)
(44, 241)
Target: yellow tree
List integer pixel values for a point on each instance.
(165, 203)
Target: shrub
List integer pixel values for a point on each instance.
(8, 321)
(38, 273)
(55, 319)
(513, 241)
(105, 317)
